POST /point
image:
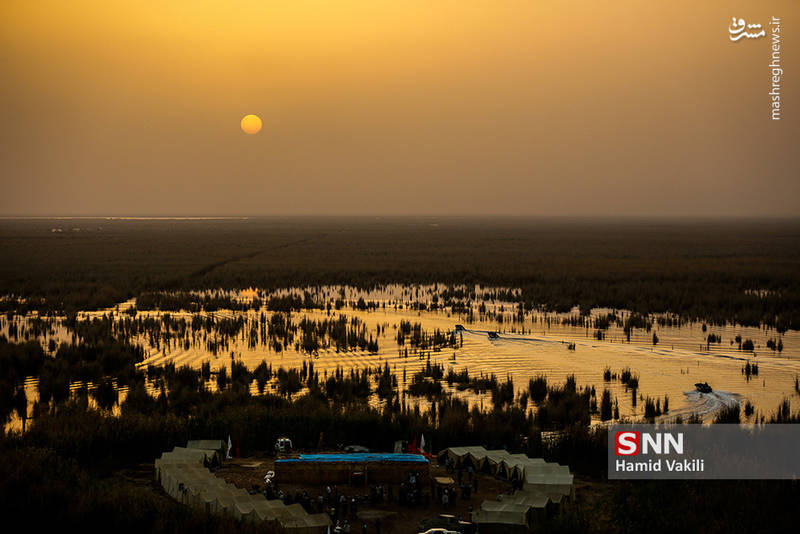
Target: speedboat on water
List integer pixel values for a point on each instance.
(703, 387)
(493, 335)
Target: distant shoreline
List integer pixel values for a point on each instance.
(395, 217)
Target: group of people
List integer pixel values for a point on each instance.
(467, 483)
(338, 504)
(343, 509)
(410, 492)
(472, 478)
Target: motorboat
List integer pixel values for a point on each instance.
(703, 387)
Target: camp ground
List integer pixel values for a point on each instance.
(390, 468)
(518, 492)
(545, 487)
(185, 476)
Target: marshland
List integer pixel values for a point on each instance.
(122, 338)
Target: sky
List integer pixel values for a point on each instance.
(372, 107)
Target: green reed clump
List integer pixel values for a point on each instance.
(222, 378)
(605, 406)
(504, 393)
(652, 408)
(49, 492)
(139, 400)
(262, 374)
(729, 415)
(387, 382)
(240, 375)
(750, 369)
(457, 377)
(422, 387)
(537, 388)
(106, 395)
(20, 360)
(434, 371)
(564, 407)
(346, 387)
(289, 382)
(775, 345)
(784, 415)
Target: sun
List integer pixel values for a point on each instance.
(251, 124)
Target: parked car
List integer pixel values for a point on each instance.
(445, 524)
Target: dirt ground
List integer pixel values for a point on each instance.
(398, 519)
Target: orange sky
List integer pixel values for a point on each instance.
(415, 107)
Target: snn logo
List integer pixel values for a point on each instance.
(627, 443)
(630, 443)
(653, 442)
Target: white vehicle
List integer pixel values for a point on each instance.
(283, 445)
(439, 531)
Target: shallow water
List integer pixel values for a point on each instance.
(672, 367)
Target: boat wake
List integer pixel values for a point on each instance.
(707, 404)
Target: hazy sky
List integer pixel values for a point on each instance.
(404, 107)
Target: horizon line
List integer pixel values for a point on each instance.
(402, 216)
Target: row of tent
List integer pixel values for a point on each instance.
(546, 487)
(184, 475)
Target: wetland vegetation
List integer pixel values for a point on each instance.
(734, 271)
(99, 392)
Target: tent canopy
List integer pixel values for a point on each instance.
(185, 478)
(537, 474)
(502, 516)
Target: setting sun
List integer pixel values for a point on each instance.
(251, 124)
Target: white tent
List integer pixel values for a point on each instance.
(504, 512)
(513, 466)
(185, 478)
(546, 487)
(491, 461)
(184, 455)
(549, 479)
(494, 516)
(536, 474)
(521, 508)
(460, 454)
(244, 506)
